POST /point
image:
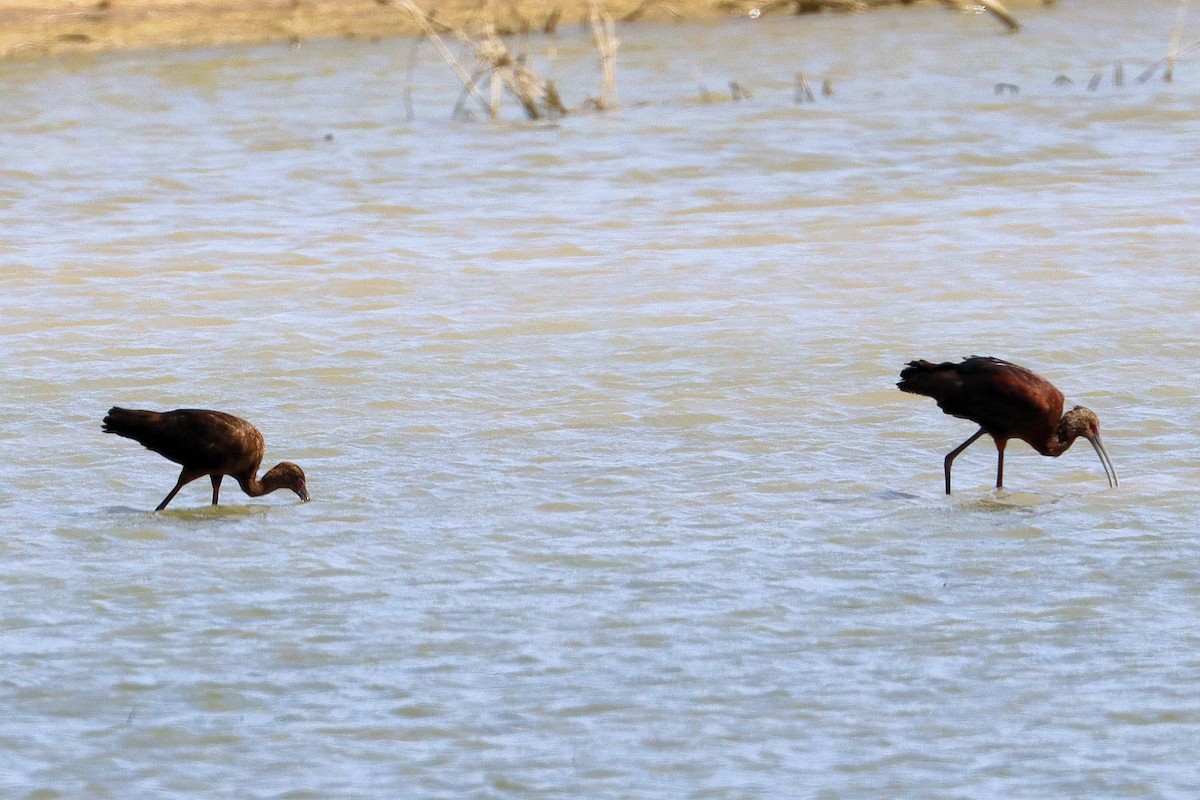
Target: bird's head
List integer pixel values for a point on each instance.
(286, 475)
(1080, 421)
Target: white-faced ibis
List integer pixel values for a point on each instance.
(209, 443)
(1006, 402)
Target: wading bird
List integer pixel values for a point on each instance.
(1006, 402)
(208, 443)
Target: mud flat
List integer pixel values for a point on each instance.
(34, 28)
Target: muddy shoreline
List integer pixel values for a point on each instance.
(37, 28)
(30, 29)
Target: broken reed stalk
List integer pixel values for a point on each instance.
(1001, 13)
(1174, 43)
(604, 35)
(495, 84)
(1168, 59)
(432, 35)
(803, 90)
(409, 114)
(495, 64)
(538, 97)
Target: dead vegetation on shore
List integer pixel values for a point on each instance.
(484, 42)
(34, 28)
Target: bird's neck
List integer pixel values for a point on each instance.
(255, 488)
(1061, 440)
(252, 486)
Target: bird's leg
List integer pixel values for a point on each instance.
(216, 482)
(1000, 466)
(185, 478)
(954, 454)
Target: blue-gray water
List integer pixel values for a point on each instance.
(614, 493)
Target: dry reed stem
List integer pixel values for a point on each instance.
(409, 113)
(1168, 59)
(1001, 13)
(496, 65)
(1176, 31)
(804, 93)
(432, 34)
(604, 35)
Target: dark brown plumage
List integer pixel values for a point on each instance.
(209, 443)
(1006, 402)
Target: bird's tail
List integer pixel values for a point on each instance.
(929, 379)
(127, 423)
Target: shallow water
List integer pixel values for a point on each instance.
(614, 493)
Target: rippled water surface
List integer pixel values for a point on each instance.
(614, 495)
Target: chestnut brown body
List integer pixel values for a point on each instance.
(1006, 401)
(205, 442)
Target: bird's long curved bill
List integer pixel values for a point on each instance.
(1110, 471)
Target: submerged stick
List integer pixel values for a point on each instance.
(1168, 59)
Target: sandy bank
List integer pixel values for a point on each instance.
(34, 28)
